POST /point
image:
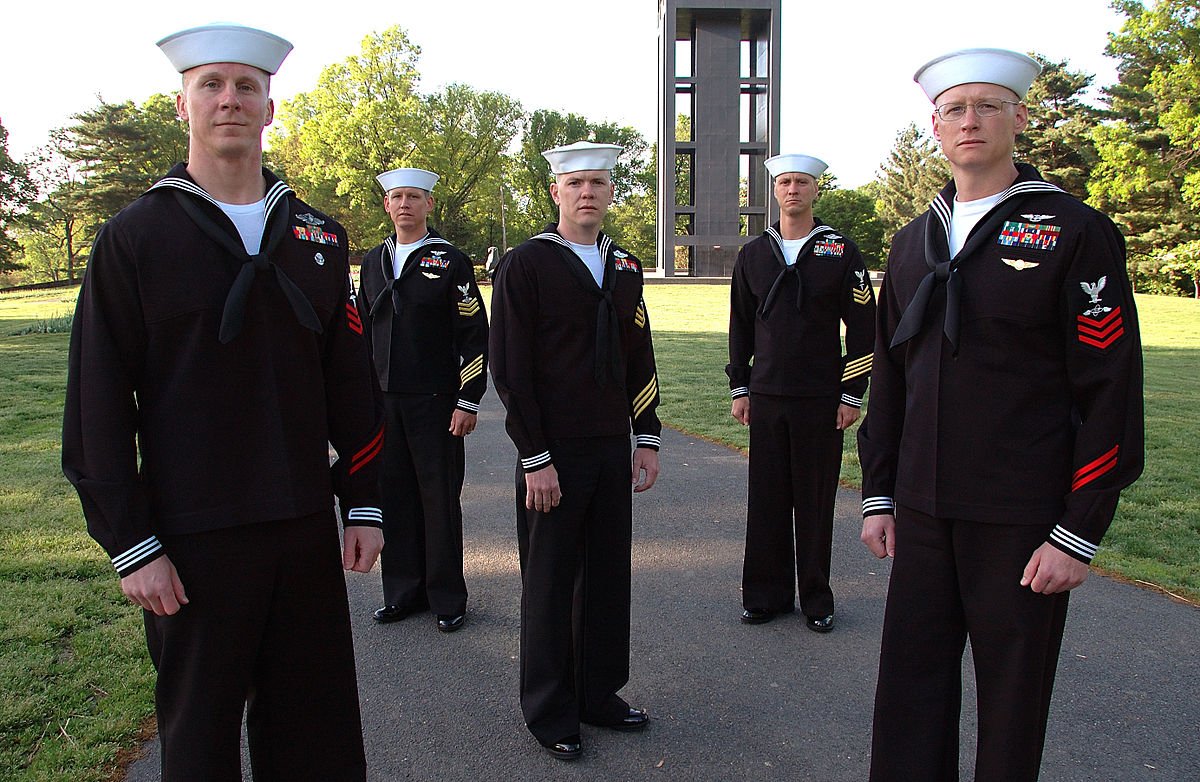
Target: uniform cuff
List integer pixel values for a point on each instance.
(1069, 543)
(467, 407)
(734, 393)
(649, 441)
(364, 517)
(537, 462)
(137, 557)
(876, 506)
(851, 401)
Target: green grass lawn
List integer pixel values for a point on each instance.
(75, 680)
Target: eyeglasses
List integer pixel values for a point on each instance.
(989, 107)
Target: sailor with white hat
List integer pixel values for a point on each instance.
(1005, 419)
(793, 289)
(218, 304)
(419, 302)
(573, 363)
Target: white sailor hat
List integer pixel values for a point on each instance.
(803, 164)
(967, 66)
(407, 177)
(210, 43)
(582, 156)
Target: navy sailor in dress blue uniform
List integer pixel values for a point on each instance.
(1005, 418)
(215, 355)
(428, 333)
(573, 363)
(792, 289)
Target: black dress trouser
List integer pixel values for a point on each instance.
(953, 580)
(575, 576)
(266, 631)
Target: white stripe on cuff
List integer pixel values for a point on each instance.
(878, 504)
(734, 393)
(469, 407)
(534, 462)
(365, 514)
(649, 441)
(1070, 540)
(139, 552)
(853, 401)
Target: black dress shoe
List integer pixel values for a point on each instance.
(634, 719)
(448, 623)
(567, 748)
(389, 614)
(757, 617)
(819, 624)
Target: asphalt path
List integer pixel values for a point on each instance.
(730, 701)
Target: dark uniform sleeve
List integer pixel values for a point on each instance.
(512, 340)
(362, 300)
(879, 433)
(1104, 368)
(470, 337)
(355, 410)
(743, 309)
(858, 313)
(99, 451)
(641, 381)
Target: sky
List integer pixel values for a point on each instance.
(846, 78)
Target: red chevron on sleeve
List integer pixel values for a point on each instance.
(1094, 469)
(352, 318)
(1101, 333)
(368, 452)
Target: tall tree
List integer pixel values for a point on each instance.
(53, 242)
(17, 191)
(360, 119)
(913, 174)
(853, 212)
(1144, 169)
(1058, 140)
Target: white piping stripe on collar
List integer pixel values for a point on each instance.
(779, 237)
(274, 195)
(942, 210)
(389, 246)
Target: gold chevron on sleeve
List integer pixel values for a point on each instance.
(856, 367)
(639, 315)
(470, 371)
(643, 399)
(468, 308)
(862, 295)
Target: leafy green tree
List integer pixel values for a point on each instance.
(1184, 260)
(631, 223)
(121, 149)
(1058, 140)
(52, 241)
(912, 175)
(1145, 160)
(853, 213)
(16, 193)
(360, 119)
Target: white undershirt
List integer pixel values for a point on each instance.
(791, 248)
(590, 255)
(964, 217)
(250, 220)
(400, 258)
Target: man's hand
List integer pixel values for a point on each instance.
(1050, 570)
(542, 491)
(879, 533)
(156, 587)
(360, 548)
(645, 468)
(846, 415)
(462, 423)
(741, 410)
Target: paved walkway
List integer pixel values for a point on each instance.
(729, 701)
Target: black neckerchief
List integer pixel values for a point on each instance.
(191, 196)
(610, 361)
(387, 269)
(943, 268)
(792, 268)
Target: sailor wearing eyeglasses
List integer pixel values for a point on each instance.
(1005, 417)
